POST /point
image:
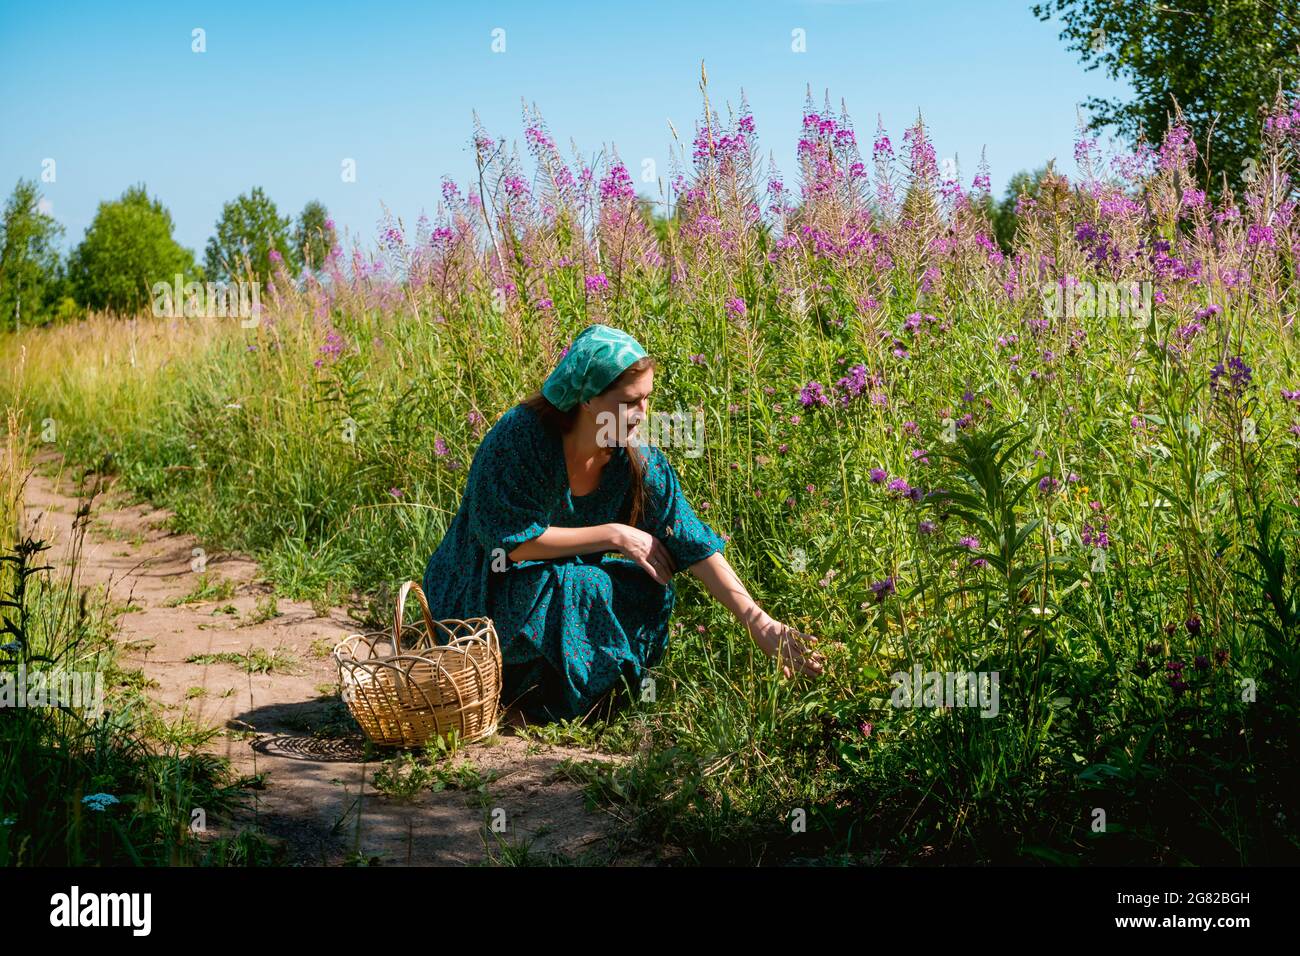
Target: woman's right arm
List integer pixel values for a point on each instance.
(555, 542)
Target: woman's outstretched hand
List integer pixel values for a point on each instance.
(646, 550)
(795, 647)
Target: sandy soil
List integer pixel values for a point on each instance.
(318, 800)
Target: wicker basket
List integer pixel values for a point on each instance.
(402, 698)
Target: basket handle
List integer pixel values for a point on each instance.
(401, 605)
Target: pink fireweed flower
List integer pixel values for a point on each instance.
(617, 185)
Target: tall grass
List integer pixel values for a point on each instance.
(909, 451)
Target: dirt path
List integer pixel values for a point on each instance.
(288, 724)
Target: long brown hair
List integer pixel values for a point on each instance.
(561, 423)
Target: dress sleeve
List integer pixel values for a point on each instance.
(511, 501)
(670, 516)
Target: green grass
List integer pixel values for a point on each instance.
(206, 588)
(257, 660)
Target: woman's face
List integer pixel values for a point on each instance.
(619, 411)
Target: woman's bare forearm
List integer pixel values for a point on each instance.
(557, 542)
(721, 581)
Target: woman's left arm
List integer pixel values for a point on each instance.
(718, 578)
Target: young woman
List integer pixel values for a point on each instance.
(561, 480)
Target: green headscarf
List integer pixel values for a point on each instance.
(597, 356)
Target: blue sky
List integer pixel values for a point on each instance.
(114, 94)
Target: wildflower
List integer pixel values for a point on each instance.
(1239, 374)
(1260, 235)
(1047, 484)
(790, 502)
(99, 801)
(899, 486)
(597, 282)
(1202, 662)
(795, 419)
(783, 449)
(969, 542)
(439, 447)
(926, 527)
(877, 476)
(812, 394)
(1096, 535)
(395, 492)
(1193, 625)
(882, 589)
(811, 488)
(866, 728)
(1175, 677)
(698, 359)
(736, 307)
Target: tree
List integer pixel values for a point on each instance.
(30, 272)
(1221, 60)
(249, 230)
(314, 236)
(127, 248)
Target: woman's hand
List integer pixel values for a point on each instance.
(646, 550)
(794, 646)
